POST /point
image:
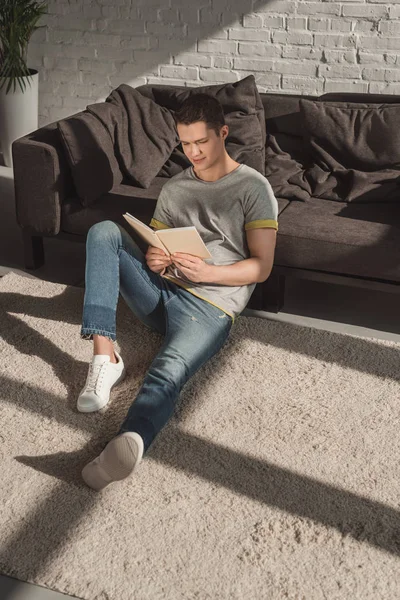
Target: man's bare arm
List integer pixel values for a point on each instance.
(257, 268)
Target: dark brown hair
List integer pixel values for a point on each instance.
(201, 107)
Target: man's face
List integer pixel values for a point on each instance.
(202, 145)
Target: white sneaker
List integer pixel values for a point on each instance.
(117, 461)
(103, 375)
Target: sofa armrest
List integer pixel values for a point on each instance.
(42, 180)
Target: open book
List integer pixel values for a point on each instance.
(176, 239)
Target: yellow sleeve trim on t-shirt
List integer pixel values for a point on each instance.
(159, 224)
(262, 223)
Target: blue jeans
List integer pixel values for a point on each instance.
(194, 329)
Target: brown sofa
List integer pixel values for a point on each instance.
(337, 222)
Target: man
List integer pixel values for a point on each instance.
(192, 302)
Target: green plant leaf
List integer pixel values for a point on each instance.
(18, 20)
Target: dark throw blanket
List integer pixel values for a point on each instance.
(348, 153)
(142, 132)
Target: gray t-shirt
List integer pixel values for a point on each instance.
(221, 211)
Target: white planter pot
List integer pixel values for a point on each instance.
(18, 113)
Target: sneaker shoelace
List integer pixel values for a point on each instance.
(95, 377)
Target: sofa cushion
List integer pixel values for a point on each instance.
(351, 239)
(354, 148)
(243, 110)
(122, 198)
(90, 154)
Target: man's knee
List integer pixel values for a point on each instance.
(104, 230)
(171, 368)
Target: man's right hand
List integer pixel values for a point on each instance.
(157, 260)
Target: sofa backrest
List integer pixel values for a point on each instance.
(282, 113)
(361, 98)
(282, 121)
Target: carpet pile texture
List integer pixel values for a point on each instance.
(276, 478)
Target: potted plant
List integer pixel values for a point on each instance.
(19, 85)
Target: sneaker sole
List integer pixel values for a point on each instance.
(95, 408)
(117, 461)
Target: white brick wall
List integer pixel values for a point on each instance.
(89, 47)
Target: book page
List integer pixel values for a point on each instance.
(184, 239)
(145, 232)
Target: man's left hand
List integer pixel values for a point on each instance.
(193, 267)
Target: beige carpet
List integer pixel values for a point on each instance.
(277, 478)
